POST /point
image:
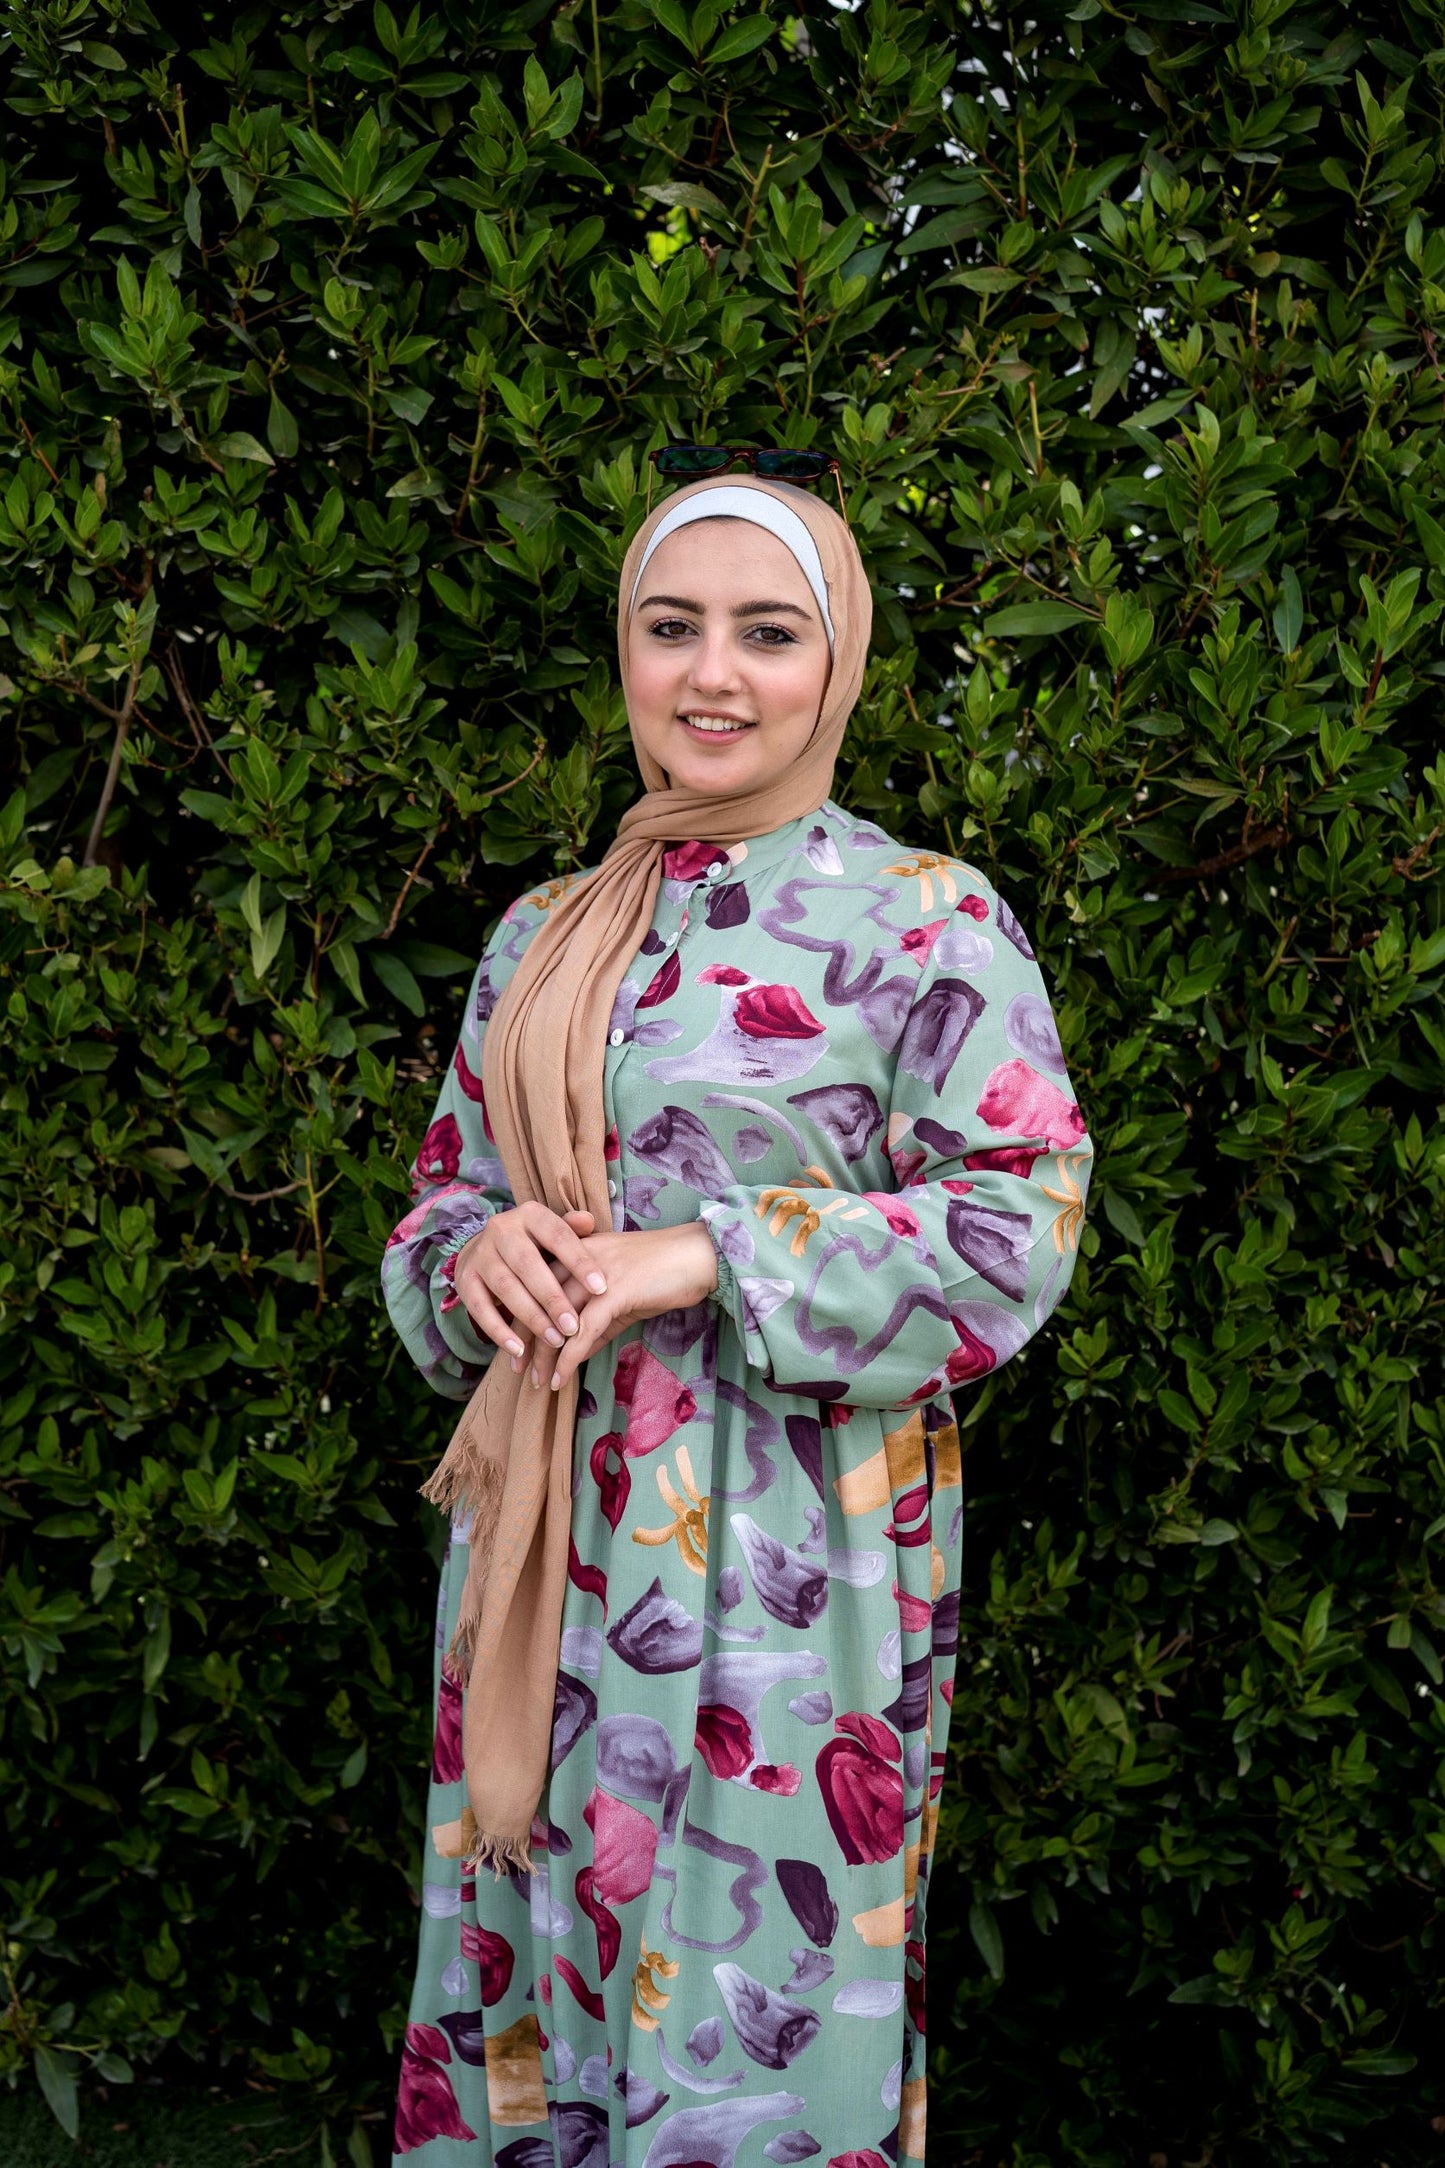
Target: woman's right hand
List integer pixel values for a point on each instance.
(510, 1276)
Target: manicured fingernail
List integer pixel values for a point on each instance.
(553, 1337)
(516, 1348)
(535, 1379)
(567, 1321)
(596, 1282)
(556, 1380)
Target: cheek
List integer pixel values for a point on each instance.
(791, 691)
(652, 672)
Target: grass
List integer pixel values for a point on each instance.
(144, 2127)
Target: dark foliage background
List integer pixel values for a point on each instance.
(331, 341)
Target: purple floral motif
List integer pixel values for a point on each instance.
(574, 1711)
(527, 2153)
(909, 1709)
(1010, 928)
(805, 1436)
(790, 2146)
(727, 906)
(847, 1113)
(995, 1244)
(675, 1141)
(579, 2132)
(644, 2100)
(1030, 1029)
(815, 1708)
(811, 1970)
(938, 1024)
(464, 2029)
(657, 1635)
(709, 2137)
(705, 2041)
(770, 2030)
(790, 1588)
(635, 1756)
(805, 1887)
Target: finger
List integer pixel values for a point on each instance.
(530, 1313)
(488, 1317)
(597, 1328)
(557, 1236)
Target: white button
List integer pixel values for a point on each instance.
(615, 1038)
(718, 867)
(612, 1189)
(668, 940)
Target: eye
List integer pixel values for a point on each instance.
(665, 628)
(778, 636)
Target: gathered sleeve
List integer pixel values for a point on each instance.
(457, 1183)
(882, 1297)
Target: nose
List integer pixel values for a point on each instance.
(714, 666)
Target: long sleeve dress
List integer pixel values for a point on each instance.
(838, 1052)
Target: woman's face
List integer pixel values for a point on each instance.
(725, 633)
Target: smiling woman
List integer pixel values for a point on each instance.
(724, 687)
(758, 1142)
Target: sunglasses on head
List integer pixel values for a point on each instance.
(778, 465)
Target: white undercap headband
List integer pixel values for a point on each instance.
(764, 511)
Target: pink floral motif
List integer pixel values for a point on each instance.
(919, 940)
(901, 1220)
(471, 1085)
(446, 1756)
(775, 1012)
(624, 1846)
(1017, 1098)
(441, 1150)
(972, 1358)
(494, 1958)
(1006, 1158)
(780, 1778)
(975, 907)
(426, 2106)
(656, 1404)
(689, 861)
(723, 1739)
(862, 1791)
(664, 983)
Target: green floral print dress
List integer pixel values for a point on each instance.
(838, 1053)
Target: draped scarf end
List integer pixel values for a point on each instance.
(469, 1482)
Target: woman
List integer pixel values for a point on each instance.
(758, 1141)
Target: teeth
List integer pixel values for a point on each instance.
(719, 723)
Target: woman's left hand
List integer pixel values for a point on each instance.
(647, 1272)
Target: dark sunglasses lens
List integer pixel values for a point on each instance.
(796, 466)
(692, 459)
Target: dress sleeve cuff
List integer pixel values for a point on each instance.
(448, 1253)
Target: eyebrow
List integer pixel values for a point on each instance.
(743, 609)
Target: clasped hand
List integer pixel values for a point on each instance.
(549, 1292)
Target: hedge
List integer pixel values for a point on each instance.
(332, 341)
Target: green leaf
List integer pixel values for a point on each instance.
(987, 1939)
(56, 2074)
(1028, 619)
(240, 444)
(397, 980)
(738, 39)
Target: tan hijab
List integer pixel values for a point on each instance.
(510, 1460)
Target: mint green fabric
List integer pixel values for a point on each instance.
(838, 1052)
